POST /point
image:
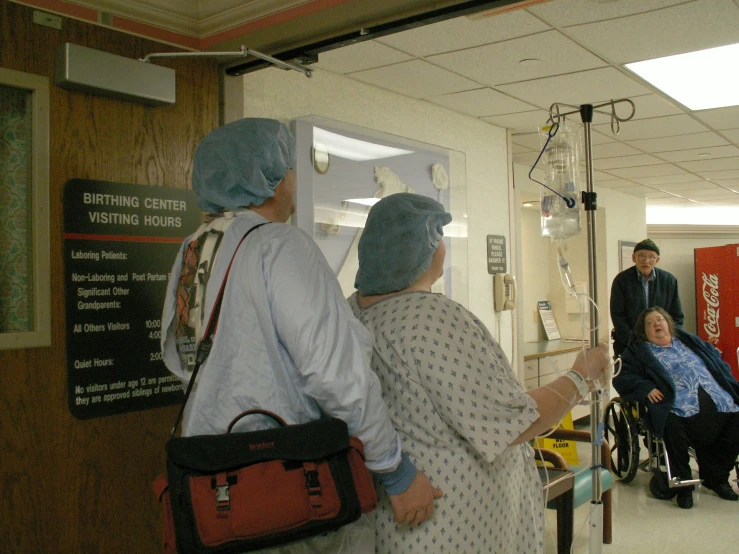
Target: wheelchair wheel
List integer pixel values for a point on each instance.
(621, 432)
(659, 487)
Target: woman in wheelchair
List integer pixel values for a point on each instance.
(691, 397)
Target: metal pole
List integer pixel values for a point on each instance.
(591, 205)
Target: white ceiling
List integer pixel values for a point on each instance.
(667, 154)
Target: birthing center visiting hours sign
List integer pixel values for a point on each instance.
(120, 241)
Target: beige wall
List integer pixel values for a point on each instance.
(481, 150)
(619, 217)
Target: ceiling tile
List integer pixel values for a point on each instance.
(592, 87)
(658, 194)
(682, 142)
(716, 193)
(691, 185)
(635, 190)
(732, 135)
(664, 32)
(714, 153)
(647, 171)
(524, 122)
(626, 161)
(530, 141)
(664, 180)
(499, 63)
(673, 201)
(702, 166)
(481, 102)
(649, 194)
(723, 203)
(731, 174)
(728, 183)
(617, 183)
(670, 125)
(612, 150)
(601, 176)
(357, 57)
(606, 137)
(463, 32)
(415, 78)
(574, 12)
(720, 118)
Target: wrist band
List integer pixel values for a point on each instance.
(582, 386)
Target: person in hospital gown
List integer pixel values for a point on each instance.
(286, 340)
(461, 413)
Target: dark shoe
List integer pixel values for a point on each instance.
(685, 500)
(724, 491)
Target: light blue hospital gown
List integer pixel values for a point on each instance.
(457, 405)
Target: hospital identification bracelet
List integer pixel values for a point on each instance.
(582, 386)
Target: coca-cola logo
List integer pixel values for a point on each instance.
(710, 295)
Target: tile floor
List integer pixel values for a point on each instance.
(645, 525)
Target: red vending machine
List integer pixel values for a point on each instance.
(717, 299)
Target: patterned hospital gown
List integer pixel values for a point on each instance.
(457, 405)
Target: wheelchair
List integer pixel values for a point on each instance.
(624, 424)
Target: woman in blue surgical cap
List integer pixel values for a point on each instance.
(287, 341)
(462, 415)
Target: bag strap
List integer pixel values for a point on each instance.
(281, 422)
(207, 341)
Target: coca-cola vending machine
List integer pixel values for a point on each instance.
(717, 299)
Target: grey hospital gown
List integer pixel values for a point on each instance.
(457, 405)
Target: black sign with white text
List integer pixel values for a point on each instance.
(496, 254)
(120, 241)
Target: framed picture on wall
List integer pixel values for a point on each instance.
(626, 249)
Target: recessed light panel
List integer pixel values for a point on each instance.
(698, 80)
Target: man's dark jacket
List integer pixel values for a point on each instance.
(641, 372)
(627, 302)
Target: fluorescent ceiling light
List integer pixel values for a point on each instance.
(698, 80)
(698, 215)
(363, 201)
(352, 149)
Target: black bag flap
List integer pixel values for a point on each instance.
(303, 442)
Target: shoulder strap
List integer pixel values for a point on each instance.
(207, 341)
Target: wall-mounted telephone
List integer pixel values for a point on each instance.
(504, 291)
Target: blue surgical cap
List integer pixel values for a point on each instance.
(400, 237)
(241, 163)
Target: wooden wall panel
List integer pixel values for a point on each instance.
(68, 485)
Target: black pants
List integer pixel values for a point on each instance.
(713, 435)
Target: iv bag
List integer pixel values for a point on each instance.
(561, 173)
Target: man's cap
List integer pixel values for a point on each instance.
(646, 244)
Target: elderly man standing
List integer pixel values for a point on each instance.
(639, 287)
(286, 340)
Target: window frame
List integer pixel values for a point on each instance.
(40, 333)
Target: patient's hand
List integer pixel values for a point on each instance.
(655, 396)
(416, 504)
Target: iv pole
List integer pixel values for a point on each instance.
(589, 199)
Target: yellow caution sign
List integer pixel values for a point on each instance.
(567, 449)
